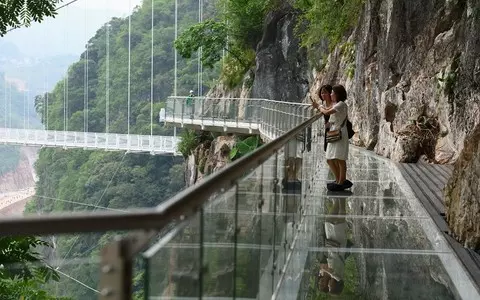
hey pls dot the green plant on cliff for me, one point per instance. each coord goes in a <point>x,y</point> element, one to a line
<point>188,142</point>
<point>326,20</point>
<point>348,52</point>
<point>447,78</point>
<point>233,72</point>
<point>236,30</point>
<point>245,146</point>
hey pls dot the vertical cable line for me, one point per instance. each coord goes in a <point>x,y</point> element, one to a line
<point>107,79</point>
<point>151,86</point>
<point>66,75</point>
<point>46,97</point>
<point>85,77</point>
<point>24,110</point>
<point>9,95</point>
<point>10,104</point>
<point>5,97</point>
<point>199,52</point>
<point>28,99</point>
<point>175,51</point>
<point>44,109</point>
<point>66,80</point>
<point>175,64</point>
<point>129,62</point>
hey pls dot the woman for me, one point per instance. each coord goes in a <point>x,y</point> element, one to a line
<point>337,152</point>
<point>324,95</point>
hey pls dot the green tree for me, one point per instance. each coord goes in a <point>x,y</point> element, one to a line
<point>16,13</point>
<point>237,29</point>
<point>23,270</point>
<point>327,20</point>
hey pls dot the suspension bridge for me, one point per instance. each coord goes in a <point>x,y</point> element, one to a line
<point>234,115</point>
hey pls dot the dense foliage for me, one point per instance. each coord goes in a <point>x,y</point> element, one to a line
<point>14,13</point>
<point>326,20</point>
<point>236,29</point>
<point>23,270</point>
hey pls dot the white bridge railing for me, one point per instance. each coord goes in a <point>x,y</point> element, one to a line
<point>268,117</point>
<point>90,140</point>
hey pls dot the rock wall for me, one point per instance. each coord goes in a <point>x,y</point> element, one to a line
<point>281,66</point>
<point>18,185</point>
<point>416,75</point>
<point>462,194</point>
<point>208,157</point>
<point>23,177</point>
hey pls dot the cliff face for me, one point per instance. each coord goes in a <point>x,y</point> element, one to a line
<point>462,194</point>
<point>412,73</point>
<point>207,158</point>
<point>413,67</point>
<point>23,177</point>
<point>417,77</point>
<point>281,65</point>
<point>18,185</point>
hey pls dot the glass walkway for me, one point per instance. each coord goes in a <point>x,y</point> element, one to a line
<point>265,227</point>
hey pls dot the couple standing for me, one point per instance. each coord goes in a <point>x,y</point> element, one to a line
<point>335,112</point>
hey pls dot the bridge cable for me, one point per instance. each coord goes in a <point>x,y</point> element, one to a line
<point>5,98</point>
<point>28,97</point>
<point>96,204</point>
<point>151,81</point>
<point>85,78</point>
<point>80,203</point>
<point>200,53</point>
<point>10,103</point>
<point>129,63</point>
<point>24,110</point>
<point>175,59</point>
<point>46,86</point>
<point>65,80</point>
<point>78,281</point>
<point>107,78</point>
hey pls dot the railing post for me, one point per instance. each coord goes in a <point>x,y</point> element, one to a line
<point>225,113</point>
<point>116,272</point>
<point>182,110</point>
<point>174,109</point>
<point>203,111</point>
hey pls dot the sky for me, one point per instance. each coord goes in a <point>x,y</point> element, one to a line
<point>67,33</point>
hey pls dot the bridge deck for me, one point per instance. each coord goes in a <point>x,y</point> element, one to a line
<point>427,182</point>
<point>215,125</point>
<point>90,140</point>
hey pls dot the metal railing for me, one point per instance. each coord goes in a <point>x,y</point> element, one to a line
<point>90,140</point>
<point>268,117</point>
<point>221,189</point>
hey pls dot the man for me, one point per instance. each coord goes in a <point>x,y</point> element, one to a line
<point>189,104</point>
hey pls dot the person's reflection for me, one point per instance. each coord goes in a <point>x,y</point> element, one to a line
<point>333,269</point>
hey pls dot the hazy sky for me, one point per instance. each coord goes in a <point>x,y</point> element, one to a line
<point>68,31</point>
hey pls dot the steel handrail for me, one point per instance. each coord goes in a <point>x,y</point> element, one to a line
<point>181,206</point>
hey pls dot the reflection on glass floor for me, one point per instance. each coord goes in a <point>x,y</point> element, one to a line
<point>279,234</point>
